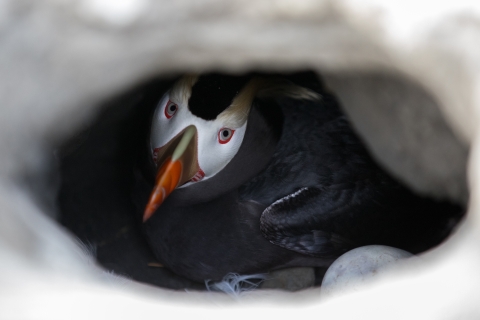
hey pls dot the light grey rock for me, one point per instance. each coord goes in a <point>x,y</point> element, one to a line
<point>354,269</point>
<point>61,59</point>
<point>398,119</point>
<point>292,279</point>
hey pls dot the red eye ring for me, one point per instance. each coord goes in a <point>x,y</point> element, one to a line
<point>224,135</point>
<point>170,109</point>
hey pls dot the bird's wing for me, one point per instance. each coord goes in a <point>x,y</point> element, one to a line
<point>323,223</point>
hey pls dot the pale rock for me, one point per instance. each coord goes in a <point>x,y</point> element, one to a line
<point>291,279</point>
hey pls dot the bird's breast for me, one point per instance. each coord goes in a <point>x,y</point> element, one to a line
<point>208,240</point>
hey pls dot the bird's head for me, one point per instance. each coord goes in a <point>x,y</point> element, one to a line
<point>199,125</point>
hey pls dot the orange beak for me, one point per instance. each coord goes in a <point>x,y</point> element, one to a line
<point>178,159</point>
<point>166,181</point>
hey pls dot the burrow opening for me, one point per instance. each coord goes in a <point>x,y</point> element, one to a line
<point>94,197</point>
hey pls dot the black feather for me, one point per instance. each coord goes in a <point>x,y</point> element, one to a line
<point>213,93</point>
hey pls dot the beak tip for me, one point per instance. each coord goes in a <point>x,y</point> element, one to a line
<point>167,180</point>
<point>148,213</point>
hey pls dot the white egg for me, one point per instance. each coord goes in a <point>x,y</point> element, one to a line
<point>354,269</point>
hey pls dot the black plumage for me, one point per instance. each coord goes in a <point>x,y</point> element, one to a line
<point>213,93</point>
<point>301,190</point>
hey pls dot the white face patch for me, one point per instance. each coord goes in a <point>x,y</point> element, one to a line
<point>215,147</point>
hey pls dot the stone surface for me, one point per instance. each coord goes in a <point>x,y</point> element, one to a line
<point>417,154</point>
<point>292,279</point>
<point>360,266</point>
<point>67,56</point>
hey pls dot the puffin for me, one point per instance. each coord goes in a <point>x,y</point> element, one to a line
<point>251,173</point>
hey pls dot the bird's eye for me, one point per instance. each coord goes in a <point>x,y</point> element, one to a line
<point>170,109</point>
<point>224,135</point>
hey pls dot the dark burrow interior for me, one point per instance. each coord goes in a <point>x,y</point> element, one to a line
<point>94,199</point>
